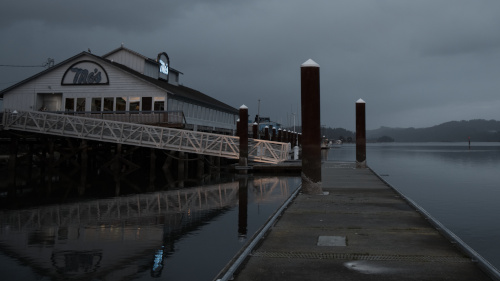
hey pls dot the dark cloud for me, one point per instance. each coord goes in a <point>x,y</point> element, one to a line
<point>415,63</point>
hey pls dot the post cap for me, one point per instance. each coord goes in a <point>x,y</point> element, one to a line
<point>243,107</point>
<point>310,63</point>
<point>360,101</point>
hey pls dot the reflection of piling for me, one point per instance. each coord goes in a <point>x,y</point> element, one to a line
<point>360,134</point>
<point>311,139</point>
<point>243,207</point>
<point>243,134</point>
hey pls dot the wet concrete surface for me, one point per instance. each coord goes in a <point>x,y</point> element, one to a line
<point>385,238</point>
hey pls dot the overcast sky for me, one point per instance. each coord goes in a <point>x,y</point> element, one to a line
<point>415,63</point>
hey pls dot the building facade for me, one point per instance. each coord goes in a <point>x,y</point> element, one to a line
<point>121,82</point>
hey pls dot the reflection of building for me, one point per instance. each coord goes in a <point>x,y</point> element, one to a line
<point>123,237</point>
<point>120,82</point>
<point>110,238</point>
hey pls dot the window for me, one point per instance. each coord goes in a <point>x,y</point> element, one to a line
<point>80,104</point>
<point>96,104</point>
<point>134,104</point>
<point>121,104</point>
<point>147,102</point>
<point>159,104</point>
<point>108,104</point>
<point>70,104</point>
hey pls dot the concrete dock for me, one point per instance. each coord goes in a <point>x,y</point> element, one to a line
<point>361,230</point>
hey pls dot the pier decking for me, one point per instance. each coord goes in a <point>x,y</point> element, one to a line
<point>361,230</point>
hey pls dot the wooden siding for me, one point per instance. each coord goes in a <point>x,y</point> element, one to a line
<point>128,59</point>
<point>121,84</point>
<point>151,69</point>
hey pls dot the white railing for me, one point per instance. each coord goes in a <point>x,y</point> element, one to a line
<point>143,135</point>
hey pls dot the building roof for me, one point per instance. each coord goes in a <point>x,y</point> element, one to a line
<point>22,82</point>
<point>122,48</point>
<point>178,92</point>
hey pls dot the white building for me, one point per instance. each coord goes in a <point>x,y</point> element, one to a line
<point>120,83</point>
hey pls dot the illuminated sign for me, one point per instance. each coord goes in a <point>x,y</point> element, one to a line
<point>164,63</point>
<point>164,67</point>
<point>85,73</point>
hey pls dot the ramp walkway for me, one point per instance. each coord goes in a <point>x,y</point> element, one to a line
<point>143,135</point>
<point>361,230</point>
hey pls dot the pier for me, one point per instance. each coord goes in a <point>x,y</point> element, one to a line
<point>359,229</point>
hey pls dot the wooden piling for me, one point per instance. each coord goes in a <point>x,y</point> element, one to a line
<point>14,145</point>
<point>83,167</point>
<point>311,142</point>
<point>360,134</point>
<point>243,134</point>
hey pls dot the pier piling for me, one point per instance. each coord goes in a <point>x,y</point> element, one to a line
<point>243,134</point>
<point>360,134</point>
<point>311,142</point>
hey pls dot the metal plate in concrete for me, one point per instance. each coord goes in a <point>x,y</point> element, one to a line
<point>331,241</point>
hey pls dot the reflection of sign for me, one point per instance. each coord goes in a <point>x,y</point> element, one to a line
<point>85,73</point>
<point>164,62</point>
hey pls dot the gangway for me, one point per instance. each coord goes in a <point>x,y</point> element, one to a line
<point>143,135</point>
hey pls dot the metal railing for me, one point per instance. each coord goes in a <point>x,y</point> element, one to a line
<point>143,135</point>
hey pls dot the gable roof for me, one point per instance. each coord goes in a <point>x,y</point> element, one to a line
<point>121,48</point>
<point>22,82</point>
<point>179,92</point>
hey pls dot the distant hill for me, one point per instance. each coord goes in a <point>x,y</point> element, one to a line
<point>332,133</point>
<point>477,130</point>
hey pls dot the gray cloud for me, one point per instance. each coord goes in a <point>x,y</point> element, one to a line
<point>415,63</point>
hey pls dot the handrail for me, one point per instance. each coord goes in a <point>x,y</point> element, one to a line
<point>142,135</point>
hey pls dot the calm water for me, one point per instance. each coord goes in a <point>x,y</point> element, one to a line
<point>185,234</point>
<point>457,186</point>
<point>191,233</point>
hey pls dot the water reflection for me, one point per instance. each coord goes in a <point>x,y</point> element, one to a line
<point>141,236</point>
<point>243,207</point>
<point>448,153</point>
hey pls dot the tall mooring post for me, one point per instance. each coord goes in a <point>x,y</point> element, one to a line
<point>243,134</point>
<point>311,131</point>
<point>360,134</point>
